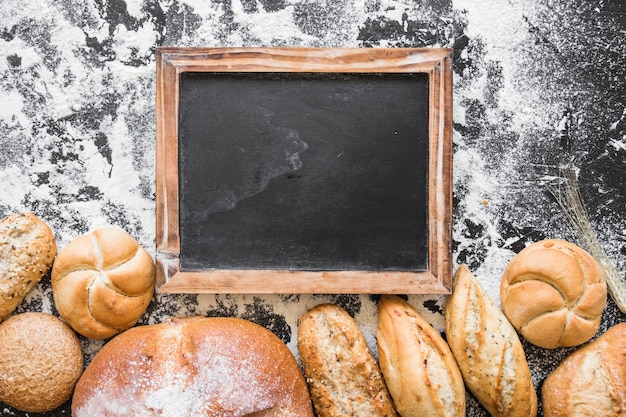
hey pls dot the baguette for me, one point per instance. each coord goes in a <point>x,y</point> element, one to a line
<point>591,381</point>
<point>421,373</point>
<point>488,350</point>
<point>341,372</point>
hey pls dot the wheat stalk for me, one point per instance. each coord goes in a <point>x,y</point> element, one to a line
<point>567,194</point>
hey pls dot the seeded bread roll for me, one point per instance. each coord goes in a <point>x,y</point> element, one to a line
<point>591,381</point>
<point>488,351</point>
<point>27,250</point>
<point>195,366</point>
<point>343,376</point>
<point>102,282</point>
<point>567,289</point>
<point>40,362</point>
<point>421,373</point>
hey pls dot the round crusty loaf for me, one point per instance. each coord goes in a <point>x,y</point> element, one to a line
<point>343,376</point>
<point>27,250</point>
<point>421,373</point>
<point>40,362</point>
<point>554,292</point>
<point>196,366</point>
<point>102,282</point>
<point>591,381</point>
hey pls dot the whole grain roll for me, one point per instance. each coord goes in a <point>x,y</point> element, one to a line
<point>102,282</point>
<point>554,292</point>
<point>419,369</point>
<point>487,349</point>
<point>27,251</point>
<point>591,381</point>
<point>196,366</point>
<point>40,362</point>
<point>343,376</point>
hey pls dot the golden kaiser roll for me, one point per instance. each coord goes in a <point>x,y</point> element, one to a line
<point>102,282</point>
<point>554,292</point>
<point>40,362</point>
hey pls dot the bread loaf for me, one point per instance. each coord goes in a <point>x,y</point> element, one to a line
<point>196,366</point>
<point>27,250</point>
<point>102,282</point>
<point>488,351</point>
<point>343,376</point>
<point>591,381</point>
<point>419,369</point>
<point>567,289</point>
<point>40,362</point>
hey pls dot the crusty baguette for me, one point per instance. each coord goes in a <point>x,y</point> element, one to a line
<point>488,350</point>
<point>27,251</point>
<point>342,374</point>
<point>591,381</point>
<point>421,373</point>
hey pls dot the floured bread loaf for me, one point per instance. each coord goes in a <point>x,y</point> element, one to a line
<point>27,250</point>
<point>421,373</point>
<point>41,360</point>
<point>197,366</point>
<point>591,381</point>
<point>343,376</point>
<point>102,282</point>
<point>554,292</point>
<point>488,351</point>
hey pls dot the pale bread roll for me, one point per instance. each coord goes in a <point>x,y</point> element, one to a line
<point>591,381</point>
<point>342,374</point>
<point>41,360</point>
<point>421,373</point>
<point>488,351</point>
<point>27,251</point>
<point>567,289</point>
<point>102,282</point>
<point>195,366</point>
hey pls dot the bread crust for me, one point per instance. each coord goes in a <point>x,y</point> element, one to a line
<point>102,282</point>
<point>343,376</point>
<point>195,366</point>
<point>591,381</point>
<point>488,350</point>
<point>568,292</point>
<point>27,251</point>
<point>41,360</point>
<point>421,373</point>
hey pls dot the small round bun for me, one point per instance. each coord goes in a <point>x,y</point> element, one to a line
<point>40,362</point>
<point>554,292</point>
<point>195,366</point>
<point>102,282</point>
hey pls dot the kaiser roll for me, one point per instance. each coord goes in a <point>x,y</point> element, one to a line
<point>102,282</point>
<point>40,362</point>
<point>195,366</point>
<point>554,292</point>
<point>27,250</point>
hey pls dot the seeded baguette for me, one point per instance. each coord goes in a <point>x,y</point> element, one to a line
<point>488,350</point>
<point>421,373</point>
<point>342,374</point>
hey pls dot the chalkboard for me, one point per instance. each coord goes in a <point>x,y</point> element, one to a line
<point>278,175</point>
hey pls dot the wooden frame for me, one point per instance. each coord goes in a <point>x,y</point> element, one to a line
<point>436,63</point>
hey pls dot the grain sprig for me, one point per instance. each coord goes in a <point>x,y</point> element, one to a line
<point>567,194</point>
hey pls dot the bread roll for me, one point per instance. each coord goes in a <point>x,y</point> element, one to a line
<point>488,351</point>
<point>27,250</point>
<point>102,282</point>
<point>591,381</point>
<point>421,373</point>
<point>343,376</point>
<point>567,289</point>
<point>196,366</point>
<point>40,362</point>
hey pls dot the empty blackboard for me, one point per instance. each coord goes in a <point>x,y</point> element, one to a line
<point>302,170</point>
